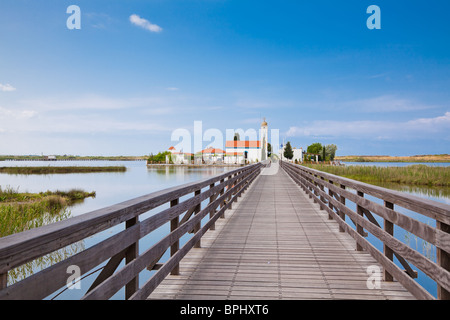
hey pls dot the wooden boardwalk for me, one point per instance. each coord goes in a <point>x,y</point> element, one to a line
<point>276,244</point>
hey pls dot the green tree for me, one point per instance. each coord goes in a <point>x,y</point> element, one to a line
<point>331,151</point>
<point>314,148</point>
<point>269,150</point>
<point>160,157</point>
<point>288,152</point>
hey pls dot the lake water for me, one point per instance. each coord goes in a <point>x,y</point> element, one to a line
<point>138,180</point>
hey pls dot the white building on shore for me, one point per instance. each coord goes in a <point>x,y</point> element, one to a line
<point>242,151</point>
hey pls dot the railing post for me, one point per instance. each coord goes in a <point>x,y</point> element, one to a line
<point>443,260</point>
<point>3,280</point>
<point>341,212</point>
<point>359,229</point>
<point>211,214</point>
<point>330,193</point>
<point>131,254</point>
<point>174,223</point>
<point>322,199</point>
<point>230,194</point>
<point>198,225</point>
<point>388,252</point>
<point>220,195</point>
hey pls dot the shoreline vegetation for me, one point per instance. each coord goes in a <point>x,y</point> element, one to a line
<point>70,158</point>
<point>24,211</point>
<point>412,159</point>
<point>60,170</point>
<point>418,175</point>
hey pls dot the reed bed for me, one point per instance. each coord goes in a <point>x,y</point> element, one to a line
<point>60,170</point>
<point>24,211</point>
<point>410,175</point>
<point>416,158</point>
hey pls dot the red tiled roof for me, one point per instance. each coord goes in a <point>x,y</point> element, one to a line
<point>172,148</point>
<point>243,144</point>
<point>213,150</point>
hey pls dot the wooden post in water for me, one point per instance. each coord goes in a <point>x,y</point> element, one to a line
<point>389,228</point>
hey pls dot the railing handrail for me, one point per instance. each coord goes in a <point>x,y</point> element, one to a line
<point>314,183</point>
<point>432,209</point>
<point>23,247</point>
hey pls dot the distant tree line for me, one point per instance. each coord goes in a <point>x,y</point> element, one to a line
<point>160,157</point>
<point>324,152</point>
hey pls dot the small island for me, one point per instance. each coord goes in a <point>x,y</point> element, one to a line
<point>60,170</point>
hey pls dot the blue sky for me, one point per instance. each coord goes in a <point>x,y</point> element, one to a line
<point>120,86</point>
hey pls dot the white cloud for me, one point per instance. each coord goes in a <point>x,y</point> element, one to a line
<point>16,114</point>
<point>7,87</point>
<point>100,102</point>
<point>387,103</point>
<point>368,129</point>
<point>145,24</point>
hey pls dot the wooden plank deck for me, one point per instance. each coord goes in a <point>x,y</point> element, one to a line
<point>276,244</point>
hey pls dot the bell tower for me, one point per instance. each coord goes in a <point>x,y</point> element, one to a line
<point>263,133</point>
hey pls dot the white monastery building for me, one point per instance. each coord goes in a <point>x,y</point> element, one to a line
<point>237,151</point>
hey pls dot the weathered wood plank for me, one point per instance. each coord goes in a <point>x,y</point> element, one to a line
<point>275,244</point>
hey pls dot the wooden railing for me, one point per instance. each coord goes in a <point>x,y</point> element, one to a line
<point>185,216</point>
<point>333,193</point>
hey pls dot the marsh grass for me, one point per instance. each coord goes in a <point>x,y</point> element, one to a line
<point>410,175</point>
<point>416,158</point>
<point>24,211</point>
<point>60,170</point>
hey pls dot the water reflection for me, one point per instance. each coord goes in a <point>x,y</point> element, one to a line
<point>441,194</point>
<point>30,268</point>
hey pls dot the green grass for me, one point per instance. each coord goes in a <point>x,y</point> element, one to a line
<point>24,211</point>
<point>60,170</point>
<point>410,175</point>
